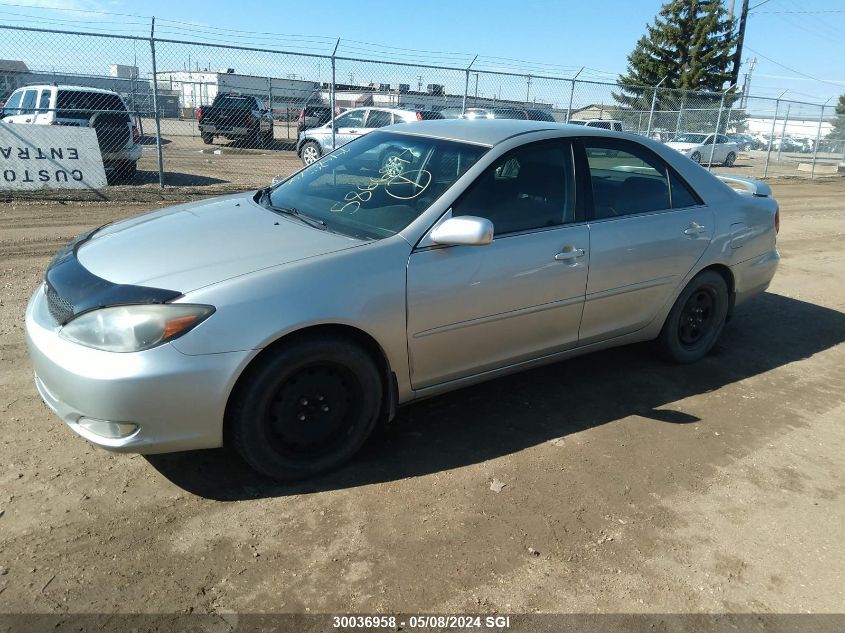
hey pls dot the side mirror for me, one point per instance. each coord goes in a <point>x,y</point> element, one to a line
<point>466,230</point>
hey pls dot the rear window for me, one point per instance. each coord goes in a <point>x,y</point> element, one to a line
<point>602,125</point>
<point>234,103</point>
<point>539,115</point>
<point>76,104</point>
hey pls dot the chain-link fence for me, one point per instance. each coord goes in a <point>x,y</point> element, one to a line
<point>186,114</point>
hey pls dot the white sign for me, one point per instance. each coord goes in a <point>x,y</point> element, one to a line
<point>49,157</point>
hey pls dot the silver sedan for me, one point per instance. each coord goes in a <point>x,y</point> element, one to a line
<point>290,321</point>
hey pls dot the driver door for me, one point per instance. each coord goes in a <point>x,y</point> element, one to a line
<point>473,309</point>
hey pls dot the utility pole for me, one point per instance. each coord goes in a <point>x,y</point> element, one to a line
<point>746,83</point>
<point>419,83</point>
<point>740,38</point>
<point>528,89</point>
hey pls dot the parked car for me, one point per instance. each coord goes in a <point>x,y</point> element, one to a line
<point>344,292</point>
<point>314,116</point>
<point>602,124</point>
<point>352,124</point>
<point>522,114</point>
<point>787,144</point>
<point>700,147</point>
<point>236,117</point>
<point>744,142</point>
<point>58,104</point>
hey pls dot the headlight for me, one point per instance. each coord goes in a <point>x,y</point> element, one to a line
<point>133,328</point>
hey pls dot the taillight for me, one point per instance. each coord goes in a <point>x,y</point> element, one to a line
<point>777,221</point>
<point>250,120</point>
<point>198,114</point>
<point>302,117</point>
<point>419,116</point>
<point>136,136</point>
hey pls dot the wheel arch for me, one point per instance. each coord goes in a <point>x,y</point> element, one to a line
<point>728,276</point>
<point>390,390</point>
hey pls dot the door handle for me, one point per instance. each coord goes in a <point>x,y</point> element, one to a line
<point>569,253</point>
<point>694,229</point>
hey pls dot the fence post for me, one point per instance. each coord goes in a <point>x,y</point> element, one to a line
<point>155,105</point>
<point>572,94</point>
<point>653,103</point>
<point>783,130</point>
<point>818,138</point>
<point>466,85</point>
<point>332,91</point>
<point>772,133</point>
<point>680,115</point>
<point>716,132</point>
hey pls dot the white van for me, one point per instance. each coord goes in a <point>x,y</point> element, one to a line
<point>103,110</point>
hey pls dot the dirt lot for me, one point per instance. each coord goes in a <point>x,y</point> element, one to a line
<point>638,486</point>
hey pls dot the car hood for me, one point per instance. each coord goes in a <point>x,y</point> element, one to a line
<point>193,245</point>
<point>681,147</point>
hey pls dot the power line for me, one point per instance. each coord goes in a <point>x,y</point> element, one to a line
<point>792,70</point>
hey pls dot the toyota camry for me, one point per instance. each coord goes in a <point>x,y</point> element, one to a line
<point>289,322</point>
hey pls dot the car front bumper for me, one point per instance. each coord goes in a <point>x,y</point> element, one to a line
<point>177,401</point>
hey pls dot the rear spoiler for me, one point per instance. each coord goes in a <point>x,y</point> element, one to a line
<point>747,186</point>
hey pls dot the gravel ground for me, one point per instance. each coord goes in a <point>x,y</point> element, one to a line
<point>624,484</point>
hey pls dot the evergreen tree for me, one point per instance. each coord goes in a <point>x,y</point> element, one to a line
<point>689,46</point>
<point>838,131</point>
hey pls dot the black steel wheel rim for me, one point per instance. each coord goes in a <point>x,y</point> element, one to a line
<point>315,410</point>
<point>697,316</point>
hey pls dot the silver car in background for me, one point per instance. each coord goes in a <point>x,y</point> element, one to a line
<point>355,123</point>
<point>706,148</point>
<point>289,322</point>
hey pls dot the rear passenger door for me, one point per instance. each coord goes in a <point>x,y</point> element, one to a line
<point>648,229</point>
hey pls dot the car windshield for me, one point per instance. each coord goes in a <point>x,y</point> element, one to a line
<point>375,186</point>
<point>689,138</point>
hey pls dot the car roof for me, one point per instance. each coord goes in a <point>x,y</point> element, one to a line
<point>491,132</point>
<point>68,87</point>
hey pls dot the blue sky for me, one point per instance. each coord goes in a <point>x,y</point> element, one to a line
<point>799,44</point>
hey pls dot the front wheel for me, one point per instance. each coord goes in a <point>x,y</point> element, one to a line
<point>730,159</point>
<point>310,153</point>
<point>696,320</point>
<point>696,156</point>
<point>306,409</point>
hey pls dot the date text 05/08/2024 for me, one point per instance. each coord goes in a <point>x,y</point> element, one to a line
<point>421,621</point>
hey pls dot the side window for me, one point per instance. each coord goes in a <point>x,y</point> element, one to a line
<point>722,139</point>
<point>682,194</point>
<point>378,118</point>
<point>353,118</point>
<point>28,102</point>
<point>528,188</point>
<point>44,101</point>
<point>626,178</point>
<point>708,140</point>
<point>12,104</point>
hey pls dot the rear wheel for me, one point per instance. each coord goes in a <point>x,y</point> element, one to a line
<point>696,320</point>
<point>310,153</point>
<point>207,138</point>
<point>306,409</point>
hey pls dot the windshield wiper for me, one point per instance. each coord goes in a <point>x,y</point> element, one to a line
<point>299,215</point>
<point>264,200</point>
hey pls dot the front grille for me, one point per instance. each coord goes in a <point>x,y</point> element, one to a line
<point>60,309</point>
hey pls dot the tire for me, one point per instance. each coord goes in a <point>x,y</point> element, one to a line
<point>306,409</point>
<point>696,157</point>
<point>730,159</point>
<point>208,139</point>
<point>696,320</point>
<point>310,152</point>
<point>268,139</point>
